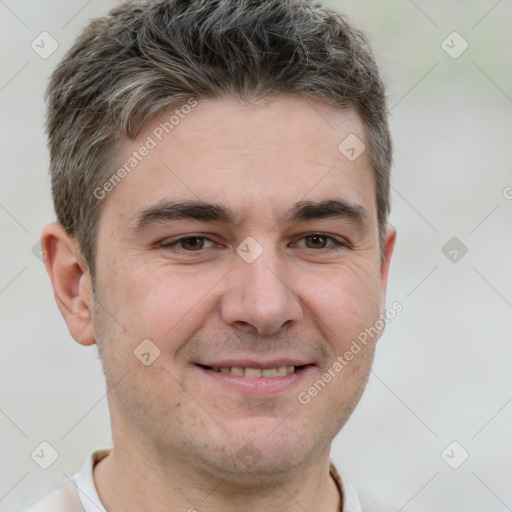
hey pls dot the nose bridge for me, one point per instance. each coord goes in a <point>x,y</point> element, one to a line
<point>260,293</point>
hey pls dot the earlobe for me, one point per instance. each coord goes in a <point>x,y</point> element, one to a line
<point>71,281</point>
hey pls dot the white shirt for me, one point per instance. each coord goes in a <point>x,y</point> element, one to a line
<point>79,493</point>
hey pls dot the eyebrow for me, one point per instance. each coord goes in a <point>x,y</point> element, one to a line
<point>210,212</point>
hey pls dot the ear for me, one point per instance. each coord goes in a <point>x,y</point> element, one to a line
<point>388,252</point>
<point>71,281</point>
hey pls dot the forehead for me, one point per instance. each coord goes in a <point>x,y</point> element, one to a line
<point>267,156</point>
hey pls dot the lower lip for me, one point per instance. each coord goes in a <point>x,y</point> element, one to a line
<point>259,385</point>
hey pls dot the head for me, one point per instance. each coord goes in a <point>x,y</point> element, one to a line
<point>241,113</point>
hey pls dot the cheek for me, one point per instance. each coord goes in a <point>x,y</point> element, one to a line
<point>345,298</point>
<point>165,305</point>
<point>152,299</point>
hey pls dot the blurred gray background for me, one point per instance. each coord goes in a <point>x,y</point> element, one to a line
<point>443,369</point>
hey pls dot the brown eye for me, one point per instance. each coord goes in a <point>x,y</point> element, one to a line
<point>186,244</point>
<point>317,241</point>
<point>322,241</point>
<point>193,243</point>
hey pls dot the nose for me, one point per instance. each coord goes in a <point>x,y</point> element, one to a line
<point>260,296</point>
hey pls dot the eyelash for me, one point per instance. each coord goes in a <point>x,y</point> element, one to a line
<point>337,245</point>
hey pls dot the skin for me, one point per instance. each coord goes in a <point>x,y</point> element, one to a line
<point>176,432</point>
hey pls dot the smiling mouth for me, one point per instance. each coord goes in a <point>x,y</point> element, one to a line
<point>256,373</point>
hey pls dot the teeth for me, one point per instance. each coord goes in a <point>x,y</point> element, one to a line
<point>255,373</point>
<point>236,370</point>
<point>281,371</point>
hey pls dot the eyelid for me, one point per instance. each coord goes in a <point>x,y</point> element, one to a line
<point>173,242</point>
<point>336,242</point>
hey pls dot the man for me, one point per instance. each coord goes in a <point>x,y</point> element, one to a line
<point>220,174</point>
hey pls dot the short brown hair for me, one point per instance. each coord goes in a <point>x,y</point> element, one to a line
<point>147,56</point>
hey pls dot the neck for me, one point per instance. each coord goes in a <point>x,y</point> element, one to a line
<point>133,478</point>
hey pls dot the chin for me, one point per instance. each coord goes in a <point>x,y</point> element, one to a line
<point>265,453</point>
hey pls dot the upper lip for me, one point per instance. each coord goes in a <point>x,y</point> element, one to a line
<point>251,363</point>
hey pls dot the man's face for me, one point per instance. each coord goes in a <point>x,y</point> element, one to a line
<point>259,290</point>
